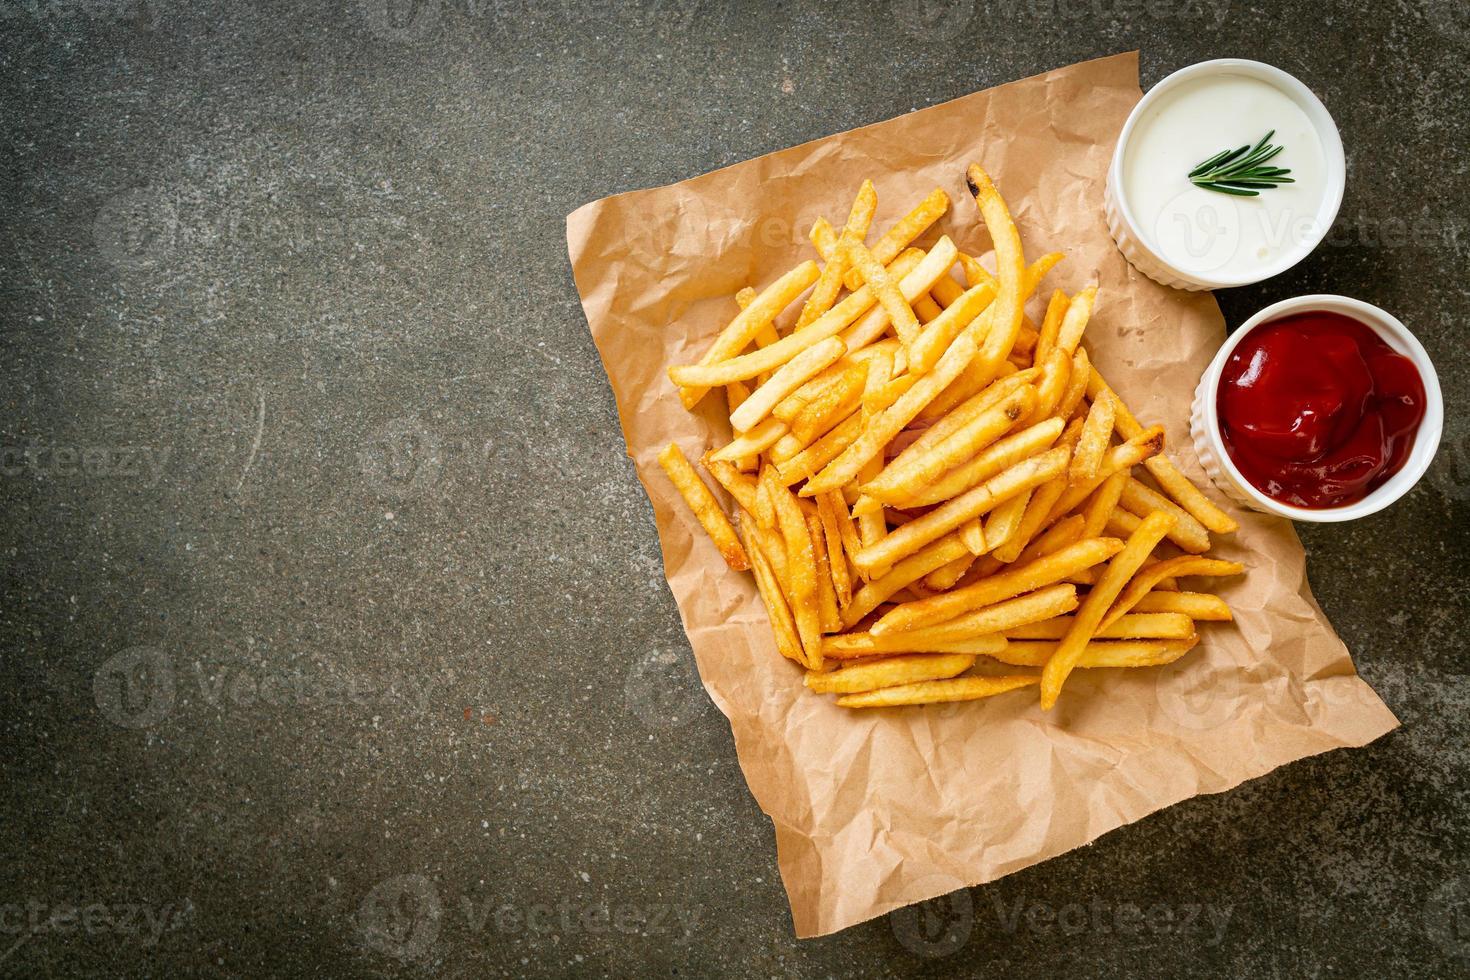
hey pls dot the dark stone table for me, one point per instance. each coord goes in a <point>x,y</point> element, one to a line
<point>335,637</point>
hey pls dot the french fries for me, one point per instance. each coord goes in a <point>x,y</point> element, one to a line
<point>925,478</point>
<point>870,675</point>
<point>704,505</point>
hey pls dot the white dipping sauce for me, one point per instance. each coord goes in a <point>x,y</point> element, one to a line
<point>1204,232</point>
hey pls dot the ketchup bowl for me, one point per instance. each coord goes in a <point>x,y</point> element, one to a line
<point>1319,408</point>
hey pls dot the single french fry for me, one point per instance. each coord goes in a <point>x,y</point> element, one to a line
<point>880,372</point>
<point>926,308</point>
<point>735,394</point>
<point>1099,653</point>
<point>1188,533</point>
<point>943,579</point>
<point>832,517</point>
<point>939,333</point>
<point>1134,626</point>
<point>1005,520</point>
<point>900,313</point>
<point>933,692</point>
<point>1122,523</point>
<point>765,337</point>
<point>1146,579</point>
<point>786,380</point>
<point>872,528</point>
<point>736,483</point>
<point>1079,310</point>
<point>830,283</point>
<point>1051,325</point>
<point>1076,385</point>
<point>752,442</point>
<point>872,675</point>
<point>1176,484</point>
<point>1037,270</point>
<point>1007,310</point>
<point>1055,374</point>
<point>1103,502</point>
<point>748,322</point>
<point>903,574</point>
<point>826,590</point>
<point>779,612</point>
<point>975,273</point>
<point>1092,445</point>
<point>704,505</point>
<point>938,522</point>
<point>1000,618</point>
<point>848,531</point>
<point>1120,569</point>
<point>945,291</point>
<point>784,448</point>
<point>853,646</point>
<point>772,539</point>
<point>972,534</point>
<point>1062,534</point>
<point>765,507</point>
<point>1047,570</point>
<point>834,404</point>
<point>1001,456</point>
<point>1199,606</point>
<point>801,570</point>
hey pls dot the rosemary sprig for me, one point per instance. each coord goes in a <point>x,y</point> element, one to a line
<point>1242,171</point>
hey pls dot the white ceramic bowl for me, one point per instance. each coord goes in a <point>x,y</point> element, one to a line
<point>1133,242</point>
<point>1204,424</point>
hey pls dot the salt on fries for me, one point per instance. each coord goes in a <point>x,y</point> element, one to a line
<point>925,480</point>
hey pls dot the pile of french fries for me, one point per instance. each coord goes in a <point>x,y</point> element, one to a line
<point>923,477</point>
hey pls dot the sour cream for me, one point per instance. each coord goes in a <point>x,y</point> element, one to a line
<point>1203,238</point>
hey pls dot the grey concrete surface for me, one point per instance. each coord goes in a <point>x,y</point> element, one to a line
<point>335,639</point>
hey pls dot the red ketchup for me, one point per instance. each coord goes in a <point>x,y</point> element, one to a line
<point>1317,411</point>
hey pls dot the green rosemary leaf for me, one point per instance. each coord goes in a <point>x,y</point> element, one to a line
<point>1242,171</point>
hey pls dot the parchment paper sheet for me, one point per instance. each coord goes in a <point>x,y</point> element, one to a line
<point>878,809</point>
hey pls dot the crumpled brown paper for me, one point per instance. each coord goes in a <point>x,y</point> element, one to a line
<point>878,809</point>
